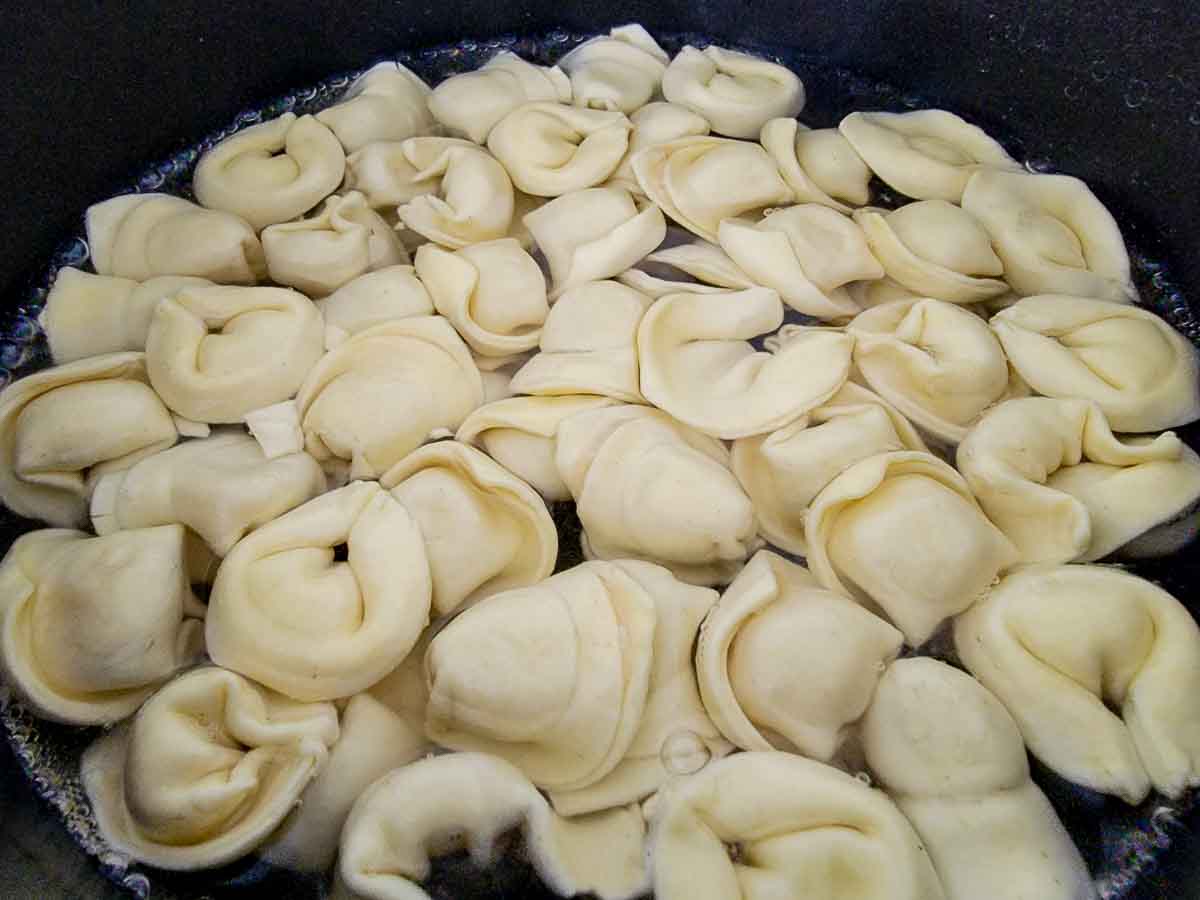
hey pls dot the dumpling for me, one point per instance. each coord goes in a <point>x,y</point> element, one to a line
<point>734,91</point>
<point>64,427</point>
<point>936,362</point>
<point>381,172</point>
<point>696,363</point>
<point>271,172</point>
<point>647,487</point>
<point>618,71</point>
<point>287,612</point>
<point>759,825</point>
<point>1101,671</point>
<point>714,270</point>
<point>344,240</point>
<point>472,103</point>
<point>927,154</point>
<point>143,236</point>
<point>588,345</point>
<point>88,315</point>
<point>900,532</point>
<point>935,249</point>
<point>388,102</point>
<point>806,253</point>
<point>1052,234</point>
<point>700,181</point>
<point>220,487</point>
<point>869,294</point>
<point>593,234</point>
<point>521,433</point>
<point>209,767</point>
<point>216,353</point>
<point>493,293</point>
<point>950,755</point>
<point>91,626</point>
<point>470,801</point>
<point>1140,371</point>
<point>474,197</point>
<point>384,391</point>
<point>497,373</point>
<point>394,292</point>
<point>484,529</point>
<point>653,124</point>
<point>783,471</point>
<point>550,149</point>
<point>784,664</point>
<point>819,165</point>
<point>1054,478</point>
<point>552,677</point>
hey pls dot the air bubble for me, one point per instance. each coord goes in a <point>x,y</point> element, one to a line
<point>863,778</point>
<point>138,884</point>
<point>684,753</point>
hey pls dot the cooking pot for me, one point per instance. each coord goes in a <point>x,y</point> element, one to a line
<point>1108,91</point>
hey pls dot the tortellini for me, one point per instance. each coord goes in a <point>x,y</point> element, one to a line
<point>1110,656</point>
<point>784,664</point>
<point>1052,234</point>
<point>783,471</point>
<point>216,353</point>
<point>384,391</point>
<point>1054,478</point>
<point>927,154</point>
<point>819,165</point>
<point>937,363</point>
<point>484,530</point>
<point>341,242</point>
<point>381,172</point>
<point>143,236</point>
<point>796,828</point>
<point>271,172</point>
<point>220,487</point>
<point>935,249</point>
<point>736,92</point>
<point>618,71</point>
<point>715,271</point>
<point>1140,371</point>
<point>700,181</point>
<point>286,612</point>
<point>208,768</point>
<point>901,532</point>
<point>650,488</point>
<point>90,626</point>
<point>394,292</point>
<point>696,363</point>
<point>951,757</point>
<point>64,427</point>
<point>493,293</point>
<point>806,253</point>
<point>470,800</point>
<point>388,102</point>
<point>655,123</point>
<point>550,149</point>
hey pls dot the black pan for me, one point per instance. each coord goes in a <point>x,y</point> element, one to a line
<point>93,94</point>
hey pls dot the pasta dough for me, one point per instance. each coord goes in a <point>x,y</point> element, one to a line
<point>618,71</point>
<point>388,102</point>
<point>394,292</point>
<point>715,271</point>
<point>381,172</point>
<point>819,165</point>
<point>653,124</point>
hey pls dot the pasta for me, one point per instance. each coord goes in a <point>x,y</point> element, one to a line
<point>388,102</point>
<point>619,71</point>
<point>381,172</point>
<point>653,124</point>
<point>819,165</point>
<point>393,292</point>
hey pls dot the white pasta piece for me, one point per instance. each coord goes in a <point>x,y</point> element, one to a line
<point>900,532</point>
<point>700,181</point>
<point>927,154</point>
<point>497,373</point>
<point>797,828</point>
<point>287,613</point>
<point>64,427</point>
<point>271,172</point>
<point>388,102</point>
<point>950,755</point>
<point>216,353</point>
<point>143,236</point>
<point>471,800</point>
<point>783,471</point>
<point>393,292</point>
<point>697,365</point>
<point>1101,671</point>
<point>381,393</point>
<point>1054,478</point>
<point>869,294</point>
<point>935,249</point>
<point>737,93</point>
<point>382,173</point>
<point>276,429</point>
<point>784,664</point>
<point>620,71</point>
<point>713,270</point>
<point>653,124</point>
<point>806,253</point>
<point>91,626</point>
<point>819,166</point>
<point>1140,371</point>
<point>206,771</point>
<point>472,103</point>
<point>1053,235</point>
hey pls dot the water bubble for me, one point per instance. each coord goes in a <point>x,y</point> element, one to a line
<point>684,753</point>
<point>1137,93</point>
<point>138,884</point>
<point>1099,70</point>
<point>1072,91</point>
<point>864,778</point>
